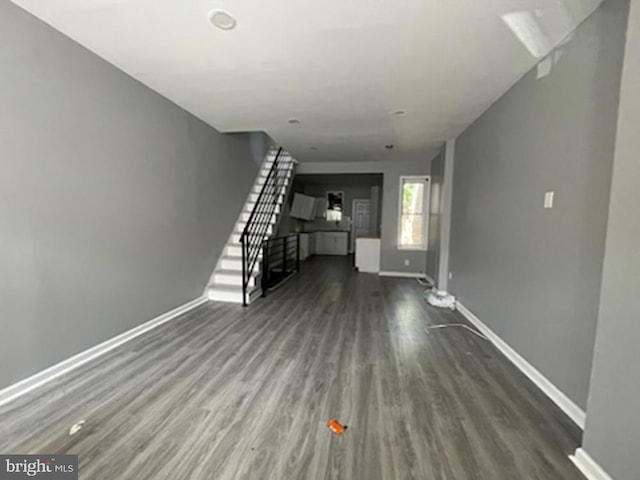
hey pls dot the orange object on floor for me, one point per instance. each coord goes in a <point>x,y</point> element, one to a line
<point>336,427</point>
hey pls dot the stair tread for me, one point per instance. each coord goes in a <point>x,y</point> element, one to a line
<point>267,224</point>
<point>226,271</point>
<point>221,287</point>
<point>239,232</point>
<point>235,258</point>
<point>265,172</point>
<point>226,288</point>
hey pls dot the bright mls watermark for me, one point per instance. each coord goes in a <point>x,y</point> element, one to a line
<point>49,467</point>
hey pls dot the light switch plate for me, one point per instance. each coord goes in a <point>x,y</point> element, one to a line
<point>548,199</point>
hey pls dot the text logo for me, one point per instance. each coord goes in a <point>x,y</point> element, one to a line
<point>37,467</point>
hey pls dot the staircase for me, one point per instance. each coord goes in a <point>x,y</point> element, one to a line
<point>237,275</point>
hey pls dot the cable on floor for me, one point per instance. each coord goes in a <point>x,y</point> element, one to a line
<point>459,325</point>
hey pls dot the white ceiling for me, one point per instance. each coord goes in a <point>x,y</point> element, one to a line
<point>339,66</point>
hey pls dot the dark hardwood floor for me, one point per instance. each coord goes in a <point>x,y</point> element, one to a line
<point>226,392</point>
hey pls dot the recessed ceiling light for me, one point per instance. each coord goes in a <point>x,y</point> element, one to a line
<point>294,121</point>
<point>400,113</point>
<point>222,20</point>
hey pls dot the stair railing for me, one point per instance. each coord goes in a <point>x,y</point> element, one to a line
<point>256,229</point>
<point>280,260</point>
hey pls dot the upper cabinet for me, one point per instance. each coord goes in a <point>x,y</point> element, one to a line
<point>303,207</point>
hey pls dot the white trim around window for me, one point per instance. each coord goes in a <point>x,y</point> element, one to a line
<point>425,210</point>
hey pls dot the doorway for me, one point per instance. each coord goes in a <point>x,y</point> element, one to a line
<point>361,220</point>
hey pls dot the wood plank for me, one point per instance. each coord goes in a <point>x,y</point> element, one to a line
<point>227,392</point>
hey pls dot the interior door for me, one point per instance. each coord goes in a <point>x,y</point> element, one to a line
<point>361,220</point>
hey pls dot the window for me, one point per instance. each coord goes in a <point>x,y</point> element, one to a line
<point>413,214</point>
<point>334,216</point>
<point>335,202</point>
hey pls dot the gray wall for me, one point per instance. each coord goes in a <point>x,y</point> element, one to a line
<point>260,143</point>
<point>531,274</point>
<point>440,216</point>
<point>351,192</point>
<point>376,208</point>
<point>435,217</point>
<point>114,202</point>
<point>612,436</point>
<point>354,187</point>
<point>445,216</point>
<point>391,259</point>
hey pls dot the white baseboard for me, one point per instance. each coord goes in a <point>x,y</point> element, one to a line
<point>554,393</point>
<point>31,383</point>
<point>588,466</point>
<point>401,274</point>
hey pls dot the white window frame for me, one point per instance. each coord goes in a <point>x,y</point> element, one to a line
<point>425,211</point>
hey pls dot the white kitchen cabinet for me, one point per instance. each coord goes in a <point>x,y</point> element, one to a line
<point>332,243</point>
<point>303,207</point>
<point>307,245</point>
<point>323,246</point>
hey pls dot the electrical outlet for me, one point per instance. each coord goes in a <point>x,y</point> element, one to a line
<point>406,262</point>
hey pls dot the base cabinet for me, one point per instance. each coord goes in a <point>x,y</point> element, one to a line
<point>331,243</point>
<point>307,245</point>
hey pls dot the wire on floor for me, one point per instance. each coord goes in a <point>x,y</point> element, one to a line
<point>459,325</point>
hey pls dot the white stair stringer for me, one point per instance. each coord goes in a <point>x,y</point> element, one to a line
<point>225,284</point>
